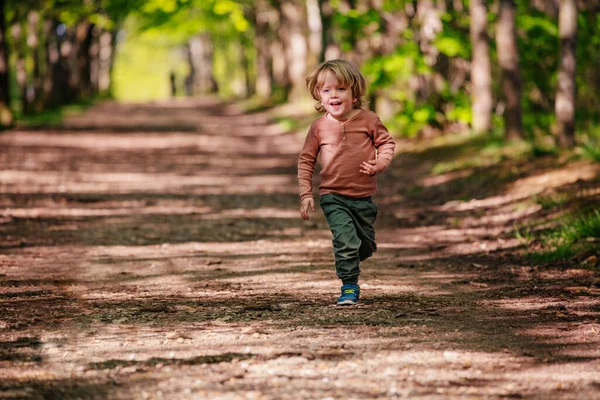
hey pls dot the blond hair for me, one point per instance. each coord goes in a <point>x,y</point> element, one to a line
<point>346,73</point>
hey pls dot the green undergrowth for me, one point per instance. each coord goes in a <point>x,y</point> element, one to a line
<point>567,229</point>
<point>468,150</point>
<point>54,117</point>
<point>589,144</point>
<point>571,235</point>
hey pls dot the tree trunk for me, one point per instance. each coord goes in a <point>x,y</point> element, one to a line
<point>57,90</point>
<point>281,76</point>
<point>247,67</point>
<point>85,35</point>
<point>329,50</point>
<point>315,31</point>
<point>201,51</point>
<point>51,57</point>
<point>565,93</point>
<point>20,70</point>
<point>95,61</point>
<point>481,70</point>
<point>69,49</point>
<point>107,44</point>
<point>295,45</point>
<point>391,25</point>
<point>508,56</point>
<point>33,33</point>
<point>264,58</point>
<point>6,118</point>
<point>430,25</point>
<point>77,53</point>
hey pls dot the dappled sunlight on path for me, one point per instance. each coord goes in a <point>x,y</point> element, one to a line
<point>156,251</point>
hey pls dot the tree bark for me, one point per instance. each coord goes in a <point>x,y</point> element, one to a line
<point>19,44</point>
<point>295,45</point>
<point>391,25</point>
<point>107,43</point>
<point>33,34</point>
<point>6,117</point>
<point>50,57</point>
<point>264,58</point>
<point>508,56</point>
<point>481,70</point>
<point>315,31</point>
<point>201,52</point>
<point>69,48</point>
<point>247,67</point>
<point>95,60</point>
<point>566,89</point>
<point>329,49</point>
<point>85,35</point>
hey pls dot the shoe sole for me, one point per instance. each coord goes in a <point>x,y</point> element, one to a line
<point>346,303</point>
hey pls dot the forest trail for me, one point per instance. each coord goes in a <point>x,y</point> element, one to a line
<point>156,251</point>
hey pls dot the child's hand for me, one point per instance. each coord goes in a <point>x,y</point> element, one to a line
<point>368,167</point>
<point>307,203</point>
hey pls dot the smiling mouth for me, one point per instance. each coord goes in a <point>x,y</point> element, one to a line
<point>336,103</point>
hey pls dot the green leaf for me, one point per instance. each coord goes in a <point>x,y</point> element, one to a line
<point>452,47</point>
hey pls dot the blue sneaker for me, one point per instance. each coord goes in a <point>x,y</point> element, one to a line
<point>350,295</point>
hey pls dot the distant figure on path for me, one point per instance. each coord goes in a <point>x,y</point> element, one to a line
<point>353,147</point>
<point>172,78</point>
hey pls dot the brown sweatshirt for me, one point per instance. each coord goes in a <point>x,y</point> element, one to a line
<point>342,147</point>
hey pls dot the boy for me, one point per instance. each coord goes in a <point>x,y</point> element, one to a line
<point>354,146</point>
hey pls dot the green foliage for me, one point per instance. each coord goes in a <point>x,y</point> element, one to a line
<point>182,19</point>
<point>353,25</point>
<point>231,80</point>
<point>478,151</point>
<point>569,237</point>
<point>538,23</point>
<point>552,200</point>
<point>589,140</point>
<point>524,234</point>
<point>538,54</point>
<point>588,58</point>
<point>156,33</point>
<point>393,73</point>
<point>460,110</point>
<point>118,10</point>
<point>591,151</point>
<point>55,116</point>
<point>454,40</point>
<point>396,68</point>
<point>451,46</point>
<point>142,68</point>
<point>169,24</point>
<point>413,118</point>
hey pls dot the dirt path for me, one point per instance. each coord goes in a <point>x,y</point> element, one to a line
<point>156,252</point>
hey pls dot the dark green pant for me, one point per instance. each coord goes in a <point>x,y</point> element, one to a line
<point>351,223</point>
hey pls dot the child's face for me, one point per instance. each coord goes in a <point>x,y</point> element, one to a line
<point>336,98</point>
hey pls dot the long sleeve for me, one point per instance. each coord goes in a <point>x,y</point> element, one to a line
<point>306,164</point>
<point>385,145</point>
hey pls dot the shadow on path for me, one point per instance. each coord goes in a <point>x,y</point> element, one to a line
<point>160,254</point>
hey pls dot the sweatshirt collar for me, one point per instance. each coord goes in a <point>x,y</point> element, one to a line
<point>334,121</point>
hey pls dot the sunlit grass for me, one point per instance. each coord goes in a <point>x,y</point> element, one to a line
<point>552,200</point>
<point>589,147</point>
<point>480,150</point>
<point>575,234</point>
<point>256,103</point>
